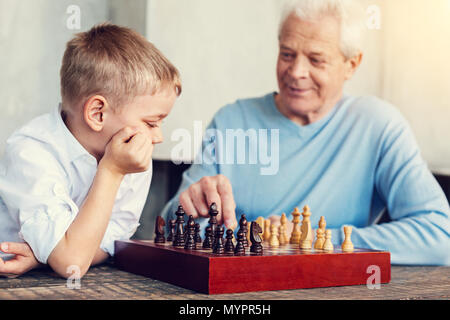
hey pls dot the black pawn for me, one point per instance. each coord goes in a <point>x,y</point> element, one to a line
<point>213,212</point>
<point>243,226</point>
<point>190,240</point>
<point>207,244</point>
<point>172,225</point>
<point>178,240</point>
<point>240,248</point>
<point>197,237</point>
<point>219,248</point>
<point>159,230</point>
<point>229,245</point>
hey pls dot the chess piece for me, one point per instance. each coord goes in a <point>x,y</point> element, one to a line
<point>296,233</point>
<point>273,241</point>
<point>320,239</point>
<point>307,235</point>
<point>247,234</point>
<point>239,250</point>
<point>197,236</point>
<point>255,238</point>
<point>322,224</point>
<point>229,245</point>
<point>172,225</point>
<point>178,240</point>
<point>347,245</point>
<point>243,227</point>
<point>283,237</point>
<point>213,212</point>
<point>328,245</point>
<point>266,230</point>
<point>159,230</point>
<point>207,244</point>
<point>260,222</point>
<point>219,248</point>
<point>190,238</point>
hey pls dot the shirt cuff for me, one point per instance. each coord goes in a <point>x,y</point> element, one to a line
<point>45,229</point>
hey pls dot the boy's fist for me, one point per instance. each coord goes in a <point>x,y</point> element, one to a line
<point>129,151</point>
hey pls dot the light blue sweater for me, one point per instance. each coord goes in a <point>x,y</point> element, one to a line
<point>348,167</point>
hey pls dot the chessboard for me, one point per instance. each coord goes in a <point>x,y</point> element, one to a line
<point>281,268</point>
<point>213,266</point>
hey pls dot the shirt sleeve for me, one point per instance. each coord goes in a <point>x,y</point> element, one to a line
<point>35,190</point>
<point>127,210</point>
<point>420,230</point>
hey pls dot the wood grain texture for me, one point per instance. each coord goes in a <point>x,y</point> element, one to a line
<point>277,269</point>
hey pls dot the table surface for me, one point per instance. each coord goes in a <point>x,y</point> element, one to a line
<point>107,282</point>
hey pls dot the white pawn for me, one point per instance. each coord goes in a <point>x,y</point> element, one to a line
<point>347,245</point>
<point>328,245</point>
<point>273,241</point>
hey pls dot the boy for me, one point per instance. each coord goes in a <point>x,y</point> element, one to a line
<point>75,180</point>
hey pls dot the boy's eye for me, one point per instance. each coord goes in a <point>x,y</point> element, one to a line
<point>152,124</point>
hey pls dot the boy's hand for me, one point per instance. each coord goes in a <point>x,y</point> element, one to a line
<point>23,262</point>
<point>129,151</point>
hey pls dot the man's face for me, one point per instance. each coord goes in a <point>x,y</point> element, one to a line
<point>145,113</point>
<point>311,68</point>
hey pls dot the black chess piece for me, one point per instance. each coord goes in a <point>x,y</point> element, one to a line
<point>172,225</point>
<point>197,237</point>
<point>190,240</point>
<point>159,230</point>
<point>213,212</point>
<point>240,248</point>
<point>178,240</point>
<point>219,248</point>
<point>207,244</point>
<point>243,226</point>
<point>229,245</point>
<point>255,239</point>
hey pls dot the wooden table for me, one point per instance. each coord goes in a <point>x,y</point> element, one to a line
<point>107,282</point>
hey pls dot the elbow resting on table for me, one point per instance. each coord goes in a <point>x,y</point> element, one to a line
<point>68,266</point>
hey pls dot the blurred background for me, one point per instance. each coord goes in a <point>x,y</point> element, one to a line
<point>226,50</point>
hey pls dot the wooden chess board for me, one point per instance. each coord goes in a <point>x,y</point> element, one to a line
<point>285,267</point>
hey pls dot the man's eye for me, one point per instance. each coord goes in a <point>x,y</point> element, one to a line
<point>316,61</point>
<point>286,55</point>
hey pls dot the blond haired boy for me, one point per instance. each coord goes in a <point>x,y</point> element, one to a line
<point>75,180</point>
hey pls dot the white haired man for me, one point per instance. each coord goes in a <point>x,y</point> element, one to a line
<point>348,158</point>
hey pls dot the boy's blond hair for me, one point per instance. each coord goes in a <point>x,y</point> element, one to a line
<point>115,62</point>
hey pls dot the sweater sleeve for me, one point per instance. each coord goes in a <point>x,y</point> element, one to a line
<point>205,164</point>
<point>419,232</point>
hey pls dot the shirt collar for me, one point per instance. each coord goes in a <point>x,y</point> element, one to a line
<point>74,149</point>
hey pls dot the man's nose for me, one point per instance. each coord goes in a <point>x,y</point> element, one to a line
<point>299,68</point>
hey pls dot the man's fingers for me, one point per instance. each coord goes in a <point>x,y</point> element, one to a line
<point>13,266</point>
<point>198,199</point>
<point>228,204</point>
<point>186,203</point>
<point>16,248</point>
<point>209,187</point>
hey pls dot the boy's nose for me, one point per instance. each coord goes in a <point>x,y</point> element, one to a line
<point>157,136</point>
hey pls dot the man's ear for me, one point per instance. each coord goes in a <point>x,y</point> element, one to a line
<point>352,64</point>
<point>94,112</point>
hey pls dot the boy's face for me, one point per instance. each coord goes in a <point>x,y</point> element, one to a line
<point>145,113</point>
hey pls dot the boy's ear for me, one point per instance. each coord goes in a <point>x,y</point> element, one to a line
<point>94,112</point>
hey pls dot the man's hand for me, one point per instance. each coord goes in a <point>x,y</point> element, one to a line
<point>23,261</point>
<point>129,151</point>
<point>200,195</point>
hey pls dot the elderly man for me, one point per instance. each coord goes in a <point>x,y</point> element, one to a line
<point>348,158</point>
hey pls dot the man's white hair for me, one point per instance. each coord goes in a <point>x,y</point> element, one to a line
<point>349,13</point>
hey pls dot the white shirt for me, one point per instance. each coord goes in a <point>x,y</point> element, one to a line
<point>45,175</point>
